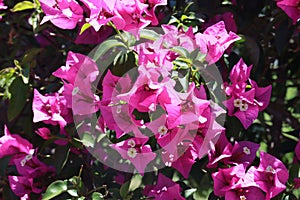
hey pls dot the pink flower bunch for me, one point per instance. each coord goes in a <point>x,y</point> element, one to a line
<point>165,188</point>
<point>246,98</point>
<point>128,15</point>
<point>182,122</point>
<point>263,182</point>
<point>291,8</point>
<point>30,169</point>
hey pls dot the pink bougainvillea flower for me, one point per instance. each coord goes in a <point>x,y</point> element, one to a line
<point>185,159</point>
<point>243,152</point>
<point>78,66</point>
<point>228,19</point>
<point>291,8</point>
<point>64,14</point>
<point>45,133</point>
<point>239,75</point>
<point>270,176</point>
<point>164,189</point>
<point>152,4</point>
<point>102,12</point>
<point>133,11</point>
<point>90,36</point>
<point>209,136</point>
<point>30,166</point>
<point>227,179</point>
<point>135,150</point>
<point>79,74</point>
<point>262,95</point>
<point>11,144</point>
<point>247,99</point>
<point>22,186</point>
<point>149,90</point>
<point>214,41</point>
<point>50,109</point>
<point>192,108</point>
<point>243,108</point>
<point>222,150</point>
<point>245,193</point>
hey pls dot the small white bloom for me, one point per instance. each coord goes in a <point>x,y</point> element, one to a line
<point>75,91</point>
<point>237,103</point>
<point>131,143</point>
<point>270,169</point>
<point>246,150</point>
<point>162,130</point>
<point>132,152</point>
<point>119,109</point>
<point>168,164</point>
<point>244,107</point>
<point>243,197</point>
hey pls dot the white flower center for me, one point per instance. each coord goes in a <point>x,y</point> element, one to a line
<point>162,130</point>
<point>168,164</point>
<point>131,143</point>
<point>119,109</point>
<point>75,91</point>
<point>237,103</point>
<point>171,156</point>
<point>270,169</point>
<point>27,157</point>
<point>244,107</point>
<point>246,150</point>
<point>132,152</point>
<point>243,197</point>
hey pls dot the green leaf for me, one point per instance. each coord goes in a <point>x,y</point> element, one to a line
<point>149,34</point>
<point>19,94</point>
<point>7,76</point>
<point>84,27</point>
<point>24,5</point>
<point>189,192</point>
<point>180,50</point>
<point>107,45</point>
<point>135,182</point>
<point>97,196</point>
<point>88,140</point>
<point>54,189</point>
<point>124,189</point>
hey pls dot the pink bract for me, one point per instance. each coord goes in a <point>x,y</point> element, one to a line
<point>136,151</point>
<point>11,144</point>
<point>215,40</point>
<point>164,189</point>
<point>64,14</point>
<point>22,186</point>
<point>291,8</point>
<point>228,179</point>
<point>270,176</point>
<point>50,109</point>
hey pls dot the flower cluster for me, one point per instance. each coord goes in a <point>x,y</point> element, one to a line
<point>31,172</point>
<point>125,15</point>
<point>236,182</point>
<point>149,103</point>
<point>246,98</point>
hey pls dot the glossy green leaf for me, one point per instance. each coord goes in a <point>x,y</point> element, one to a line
<point>97,196</point>
<point>54,189</point>
<point>24,5</point>
<point>19,92</point>
<point>84,27</point>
